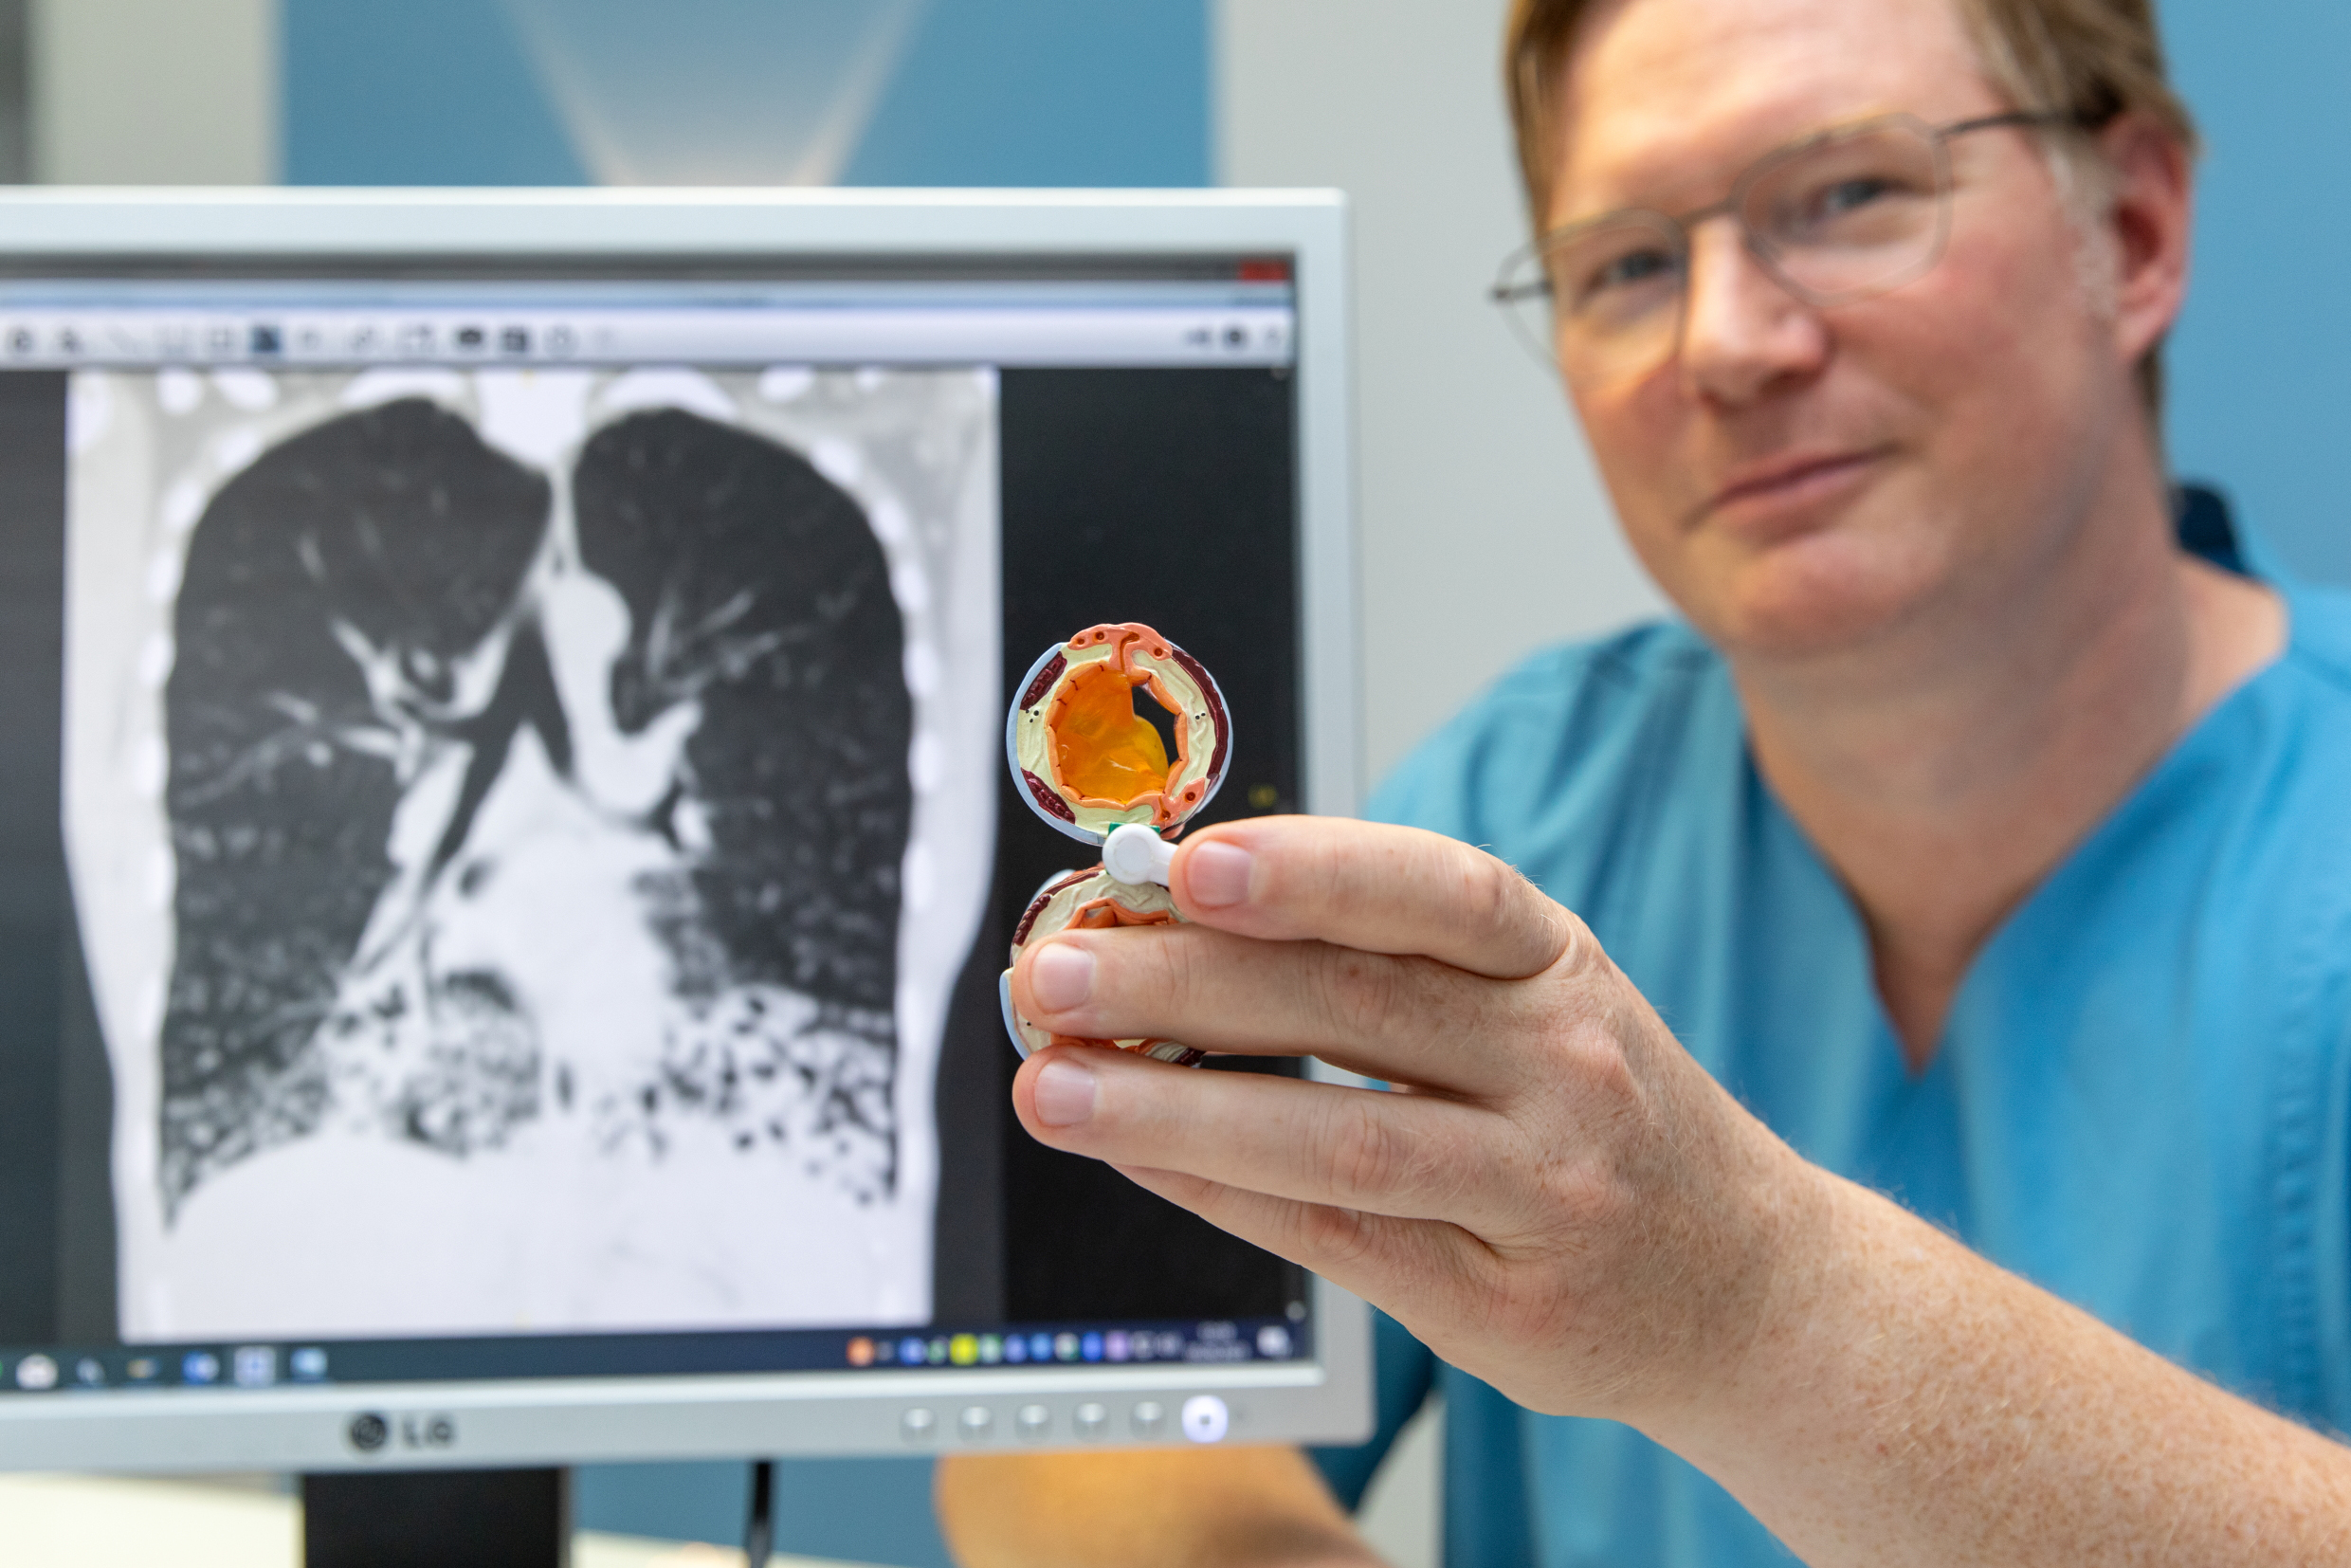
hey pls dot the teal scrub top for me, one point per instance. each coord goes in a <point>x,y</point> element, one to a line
<point>2142,1100</point>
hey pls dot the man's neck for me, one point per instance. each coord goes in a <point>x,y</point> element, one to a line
<point>1945,777</point>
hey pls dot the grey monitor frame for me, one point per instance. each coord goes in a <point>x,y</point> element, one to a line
<point>438,1425</point>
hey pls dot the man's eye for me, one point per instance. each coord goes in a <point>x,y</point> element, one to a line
<point>1850,195</point>
<point>1617,276</point>
<point>1849,208</point>
<point>1640,267</point>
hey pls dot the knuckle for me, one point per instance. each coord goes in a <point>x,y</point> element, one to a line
<point>1336,1237</point>
<point>1361,997</point>
<point>1395,1164</point>
<point>1519,916</point>
<point>1366,1153</point>
<point>1147,972</point>
<point>1172,968</point>
<point>1583,1199</point>
<point>1502,912</point>
<point>1490,894</point>
<point>1580,956</point>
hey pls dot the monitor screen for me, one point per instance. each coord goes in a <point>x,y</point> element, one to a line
<point>508,846</point>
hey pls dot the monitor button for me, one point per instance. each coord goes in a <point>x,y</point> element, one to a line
<point>1092,1420</point>
<point>917,1426</point>
<point>1034,1421</point>
<point>975,1422</point>
<point>1205,1418</point>
<point>1150,1418</point>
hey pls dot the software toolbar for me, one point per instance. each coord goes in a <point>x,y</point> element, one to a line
<point>67,339</point>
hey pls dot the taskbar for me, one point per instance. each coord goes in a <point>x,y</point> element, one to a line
<point>52,1369</point>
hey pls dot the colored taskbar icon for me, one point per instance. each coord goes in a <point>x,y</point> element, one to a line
<point>229,1366</point>
<point>1211,1342</point>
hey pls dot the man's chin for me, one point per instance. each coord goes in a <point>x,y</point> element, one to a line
<point>1781,610</point>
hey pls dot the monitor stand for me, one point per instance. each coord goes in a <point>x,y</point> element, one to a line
<point>437,1518</point>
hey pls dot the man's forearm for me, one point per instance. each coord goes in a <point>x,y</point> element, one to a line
<point>1149,1508</point>
<point>1909,1403</point>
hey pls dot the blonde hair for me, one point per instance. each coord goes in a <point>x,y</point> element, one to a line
<point>2091,61</point>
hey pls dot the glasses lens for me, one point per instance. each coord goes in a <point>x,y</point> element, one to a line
<point>1853,214</point>
<point>1602,301</point>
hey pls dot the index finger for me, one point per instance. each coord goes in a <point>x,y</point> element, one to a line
<point>1371,887</point>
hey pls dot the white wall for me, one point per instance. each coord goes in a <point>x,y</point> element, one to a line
<point>154,92</point>
<point>1485,535</point>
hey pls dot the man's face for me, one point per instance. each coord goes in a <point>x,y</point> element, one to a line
<point>1804,480</point>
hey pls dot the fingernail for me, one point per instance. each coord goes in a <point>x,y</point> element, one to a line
<point>1217,875</point>
<point>1061,977</point>
<point>1065,1093</point>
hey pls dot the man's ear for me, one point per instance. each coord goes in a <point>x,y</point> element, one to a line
<point>2150,224</point>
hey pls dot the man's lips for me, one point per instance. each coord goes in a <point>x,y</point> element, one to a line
<point>1756,490</point>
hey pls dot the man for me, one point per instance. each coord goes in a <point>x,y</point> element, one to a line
<point>1981,841</point>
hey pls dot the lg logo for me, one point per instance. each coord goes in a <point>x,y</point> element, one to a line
<point>369,1432</point>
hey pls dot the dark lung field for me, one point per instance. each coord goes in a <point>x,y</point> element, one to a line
<point>479,827</point>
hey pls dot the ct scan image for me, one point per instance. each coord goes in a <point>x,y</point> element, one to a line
<point>526,827</point>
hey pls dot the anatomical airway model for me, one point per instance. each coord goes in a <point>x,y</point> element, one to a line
<point>1095,768</point>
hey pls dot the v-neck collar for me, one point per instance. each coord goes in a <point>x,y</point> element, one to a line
<point>2208,530</point>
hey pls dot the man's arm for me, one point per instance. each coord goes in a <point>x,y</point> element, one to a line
<point>1146,1508</point>
<point>1911,1403</point>
<point>1564,1204</point>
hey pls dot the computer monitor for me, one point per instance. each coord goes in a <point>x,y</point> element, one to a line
<point>507,847</point>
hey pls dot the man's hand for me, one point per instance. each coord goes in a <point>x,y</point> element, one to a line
<point>1559,1200</point>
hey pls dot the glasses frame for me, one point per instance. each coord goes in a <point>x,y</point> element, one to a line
<point>1508,295</point>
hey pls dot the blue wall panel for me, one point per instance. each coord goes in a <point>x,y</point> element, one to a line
<point>986,92</point>
<point>2260,399</point>
<point>1046,92</point>
<point>425,92</point>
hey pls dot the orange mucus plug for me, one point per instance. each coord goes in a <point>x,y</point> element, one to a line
<point>1102,747</point>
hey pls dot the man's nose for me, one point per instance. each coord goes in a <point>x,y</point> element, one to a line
<point>1743,333</point>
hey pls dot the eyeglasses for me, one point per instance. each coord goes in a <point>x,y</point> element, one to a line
<point>1840,216</point>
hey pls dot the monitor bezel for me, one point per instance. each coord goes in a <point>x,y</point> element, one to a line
<point>457,1424</point>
